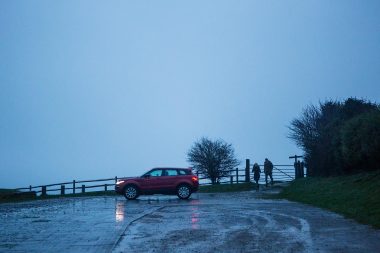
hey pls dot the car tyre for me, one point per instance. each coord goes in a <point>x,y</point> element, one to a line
<point>131,192</point>
<point>183,191</point>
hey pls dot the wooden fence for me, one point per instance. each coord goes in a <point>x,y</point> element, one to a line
<point>73,187</point>
<point>280,173</point>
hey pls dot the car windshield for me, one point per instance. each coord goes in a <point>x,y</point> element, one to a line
<point>153,173</point>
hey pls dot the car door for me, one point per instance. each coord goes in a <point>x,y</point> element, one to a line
<point>152,180</point>
<point>169,179</point>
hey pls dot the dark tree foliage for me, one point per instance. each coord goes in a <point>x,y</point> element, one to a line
<point>318,132</point>
<point>361,142</point>
<point>212,159</point>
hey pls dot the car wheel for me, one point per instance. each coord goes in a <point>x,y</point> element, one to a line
<point>183,191</point>
<point>131,192</point>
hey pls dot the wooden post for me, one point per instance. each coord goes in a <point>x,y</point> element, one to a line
<point>231,179</point>
<point>30,188</point>
<point>105,187</point>
<point>247,171</point>
<point>73,186</point>
<point>43,190</point>
<point>63,189</point>
<point>115,180</point>
<point>237,175</point>
<point>83,188</point>
<point>296,168</point>
<point>295,157</point>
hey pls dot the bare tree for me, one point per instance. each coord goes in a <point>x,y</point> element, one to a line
<point>304,130</point>
<point>212,159</point>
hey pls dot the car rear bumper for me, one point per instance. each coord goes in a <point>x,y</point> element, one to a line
<point>195,188</point>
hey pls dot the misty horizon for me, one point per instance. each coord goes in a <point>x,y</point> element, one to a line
<point>96,90</point>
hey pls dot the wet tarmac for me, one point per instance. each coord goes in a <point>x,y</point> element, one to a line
<point>228,222</point>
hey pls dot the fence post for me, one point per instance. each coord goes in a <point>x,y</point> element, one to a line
<point>73,186</point>
<point>247,171</point>
<point>231,179</point>
<point>63,189</point>
<point>83,188</point>
<point>43,190</point>
<point>30,188</point>
<point>105,187</point>
<point>115,180</point>
<point>237,175</point>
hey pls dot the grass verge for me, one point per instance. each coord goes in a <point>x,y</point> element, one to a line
<point>4,191</point>
<point>226,187</point>
<point>10,195</point>
<point>86,194</point>
<point>355,196</point>
<point>7,196</point>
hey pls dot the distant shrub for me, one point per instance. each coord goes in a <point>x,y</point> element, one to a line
<point>338,137</point>
<point>361,142</point>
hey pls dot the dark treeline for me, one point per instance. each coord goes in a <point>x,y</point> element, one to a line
<point>339,138</point>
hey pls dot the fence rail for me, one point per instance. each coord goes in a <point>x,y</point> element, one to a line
<point>72,186</point>
<point>281,172</point>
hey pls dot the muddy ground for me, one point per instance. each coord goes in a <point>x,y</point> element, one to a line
<point>223,222</point>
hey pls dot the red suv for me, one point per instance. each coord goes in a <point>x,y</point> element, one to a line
<point>159,180</point>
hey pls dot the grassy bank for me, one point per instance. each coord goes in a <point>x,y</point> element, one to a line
<point>10,195</point>
<point>3,191</point>
<point>86,194</point>
<point>356,196</point>
<point>226,187</point>
<point>7,196</point>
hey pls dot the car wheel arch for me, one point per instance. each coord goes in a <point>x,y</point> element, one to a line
<point>134,185</point>
<point>183,183</point>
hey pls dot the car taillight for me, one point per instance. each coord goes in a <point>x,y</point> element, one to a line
<point>195,179</point>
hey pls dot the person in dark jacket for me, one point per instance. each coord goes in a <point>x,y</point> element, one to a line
<point>268,169</point>
<point>256,174</point>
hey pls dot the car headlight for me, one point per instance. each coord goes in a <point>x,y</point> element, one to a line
<point>119,182</point>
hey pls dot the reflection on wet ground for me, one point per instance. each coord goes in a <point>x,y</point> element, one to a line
<point>72,224</point>
<point>195,217</point>
<point>241,222</point>
<point>69,224</point>
<point>231,222</point>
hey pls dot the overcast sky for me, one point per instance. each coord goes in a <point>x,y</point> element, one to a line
<point>93,89</point>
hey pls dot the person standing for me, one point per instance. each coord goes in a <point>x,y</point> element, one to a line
<point>296,169</point>
<point>302,169</point>
<point>268,169</point>
<point>256,174</point>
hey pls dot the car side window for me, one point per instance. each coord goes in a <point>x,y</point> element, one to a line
<point>184,172</point>
<point>155,173</point>
<point>181,172</point>
<point>171,173</point>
